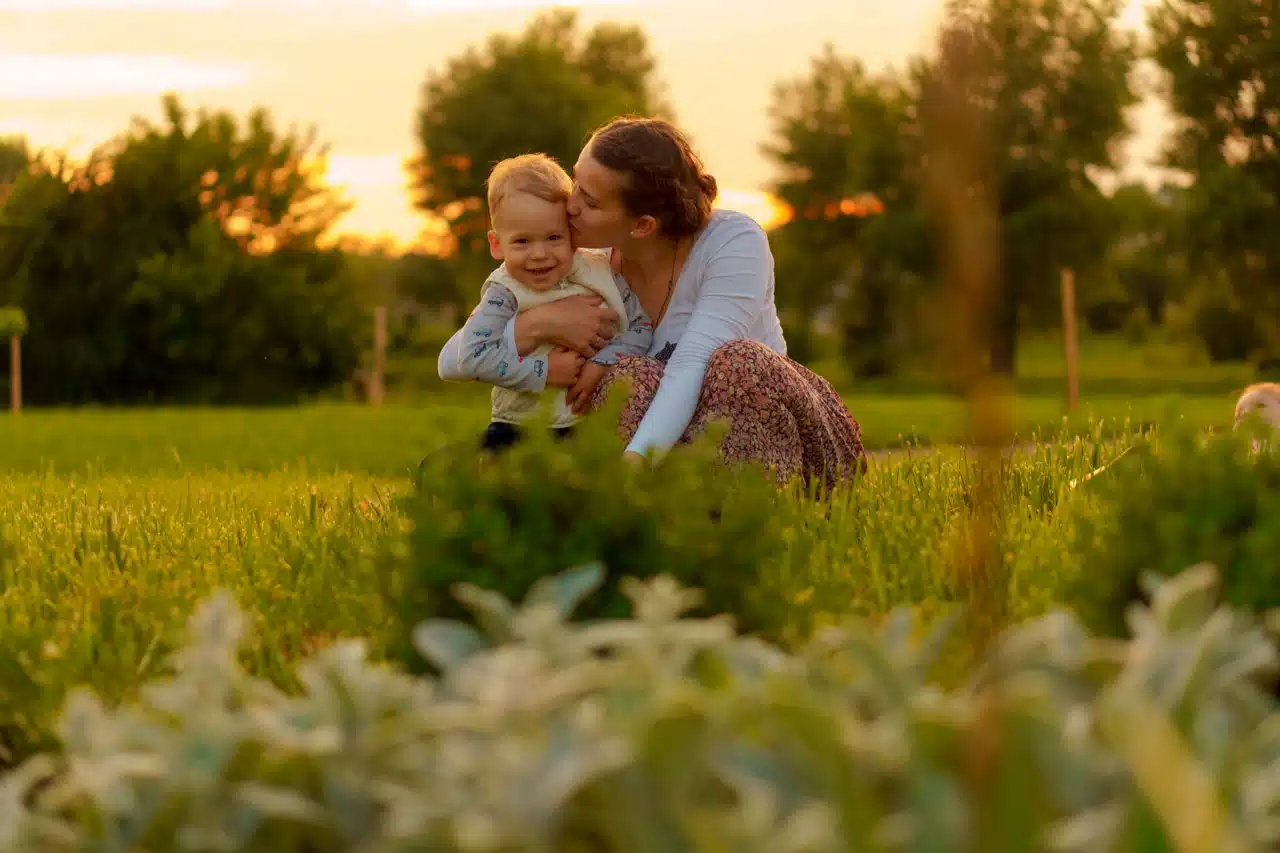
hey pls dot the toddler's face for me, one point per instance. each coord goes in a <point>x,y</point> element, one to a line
<point>532,237</point>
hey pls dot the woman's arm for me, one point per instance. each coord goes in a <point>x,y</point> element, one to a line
<point>731,295</point>
<point>583,324</point>
<point>638,337</point>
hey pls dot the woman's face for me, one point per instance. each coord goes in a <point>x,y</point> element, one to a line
<point>596,215</point>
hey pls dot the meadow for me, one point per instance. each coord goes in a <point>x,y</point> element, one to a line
<point>119,527</point>
<point>1120,383</point>
<point>100,567</point>
<point>115,523</point>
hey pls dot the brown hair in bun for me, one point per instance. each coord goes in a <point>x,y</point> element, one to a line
<point>662,176</point>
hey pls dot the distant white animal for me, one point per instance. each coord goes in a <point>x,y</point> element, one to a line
<point>1262,399</point>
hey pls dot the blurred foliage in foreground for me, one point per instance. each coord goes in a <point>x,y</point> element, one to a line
<point>666,733</point>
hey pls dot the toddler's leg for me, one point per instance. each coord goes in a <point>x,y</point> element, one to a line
<point>499,436</point>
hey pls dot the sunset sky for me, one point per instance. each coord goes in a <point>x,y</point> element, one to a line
<point>72,72</point>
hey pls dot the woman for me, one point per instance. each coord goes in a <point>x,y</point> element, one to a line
<point>705,278</point>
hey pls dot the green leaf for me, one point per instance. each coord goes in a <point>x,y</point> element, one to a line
<point>447,643</point>
<point>568,589</point>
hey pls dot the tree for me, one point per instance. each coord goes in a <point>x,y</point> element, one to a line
<point>544,91</point>
<point>1050,83</point>
<point>848,163</point>
<point>13,325</point>
<point>1221,59</point>
<point>181,262</point>
<point>15,157</point>
<point>1147,251</point>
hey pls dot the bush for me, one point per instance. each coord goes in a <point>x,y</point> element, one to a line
<point>1108,315</point>
<point>669,733</point>
<point>1137,328</point>
<point>412,359</point>
<point>1229,332</point>
<point>1190,499</point>
<point>504,523</point>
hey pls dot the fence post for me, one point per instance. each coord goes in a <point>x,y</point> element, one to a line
<point>15,374</point>
<point>1070,339</point>
<point>377,387</point>
<point>13,325</point>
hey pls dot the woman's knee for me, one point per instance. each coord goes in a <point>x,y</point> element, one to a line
<point>638,369</point>
<point>639,374</point>
<point>741,362</point>
<point>736,352</point>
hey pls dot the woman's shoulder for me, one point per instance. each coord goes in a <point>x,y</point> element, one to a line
<point>727,227</point>
<point>728,223</point>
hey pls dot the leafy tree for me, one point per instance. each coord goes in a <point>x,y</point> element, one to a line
<point>844,144</point>
<point>15,157</point>
<point>1148,247</point>
<point>543,90</point>
<point>1222,64</point>
<point>1050,83</point>
<point>181,262</point>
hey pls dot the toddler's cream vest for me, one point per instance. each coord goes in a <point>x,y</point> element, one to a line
<point>589,274</point>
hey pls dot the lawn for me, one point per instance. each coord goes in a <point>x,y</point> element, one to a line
<point>1119,382</point>
<point>106,546</point>
<point>114,523</point>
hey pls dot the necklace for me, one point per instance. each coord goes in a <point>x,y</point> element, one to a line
<point>671,287</point>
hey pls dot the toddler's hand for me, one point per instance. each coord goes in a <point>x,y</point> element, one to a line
<point>564,366</point>
<point>579,395</point>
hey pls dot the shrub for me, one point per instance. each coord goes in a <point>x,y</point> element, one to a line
<point>1109,314</point>
<point>1230,332</point>
<point>504,523</point>
<point>1190,499</point>
<point>669,733</point>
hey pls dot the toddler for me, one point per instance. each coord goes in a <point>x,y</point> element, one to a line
<point>530,235</point>
<point>1263,399</point>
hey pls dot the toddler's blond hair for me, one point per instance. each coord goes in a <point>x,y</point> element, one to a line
<point>536,174</point>
<point>1264,399</point>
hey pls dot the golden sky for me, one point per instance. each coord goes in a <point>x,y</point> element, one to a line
<point>72,72</point>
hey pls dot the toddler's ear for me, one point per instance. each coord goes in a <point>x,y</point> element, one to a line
<point>495,246</point>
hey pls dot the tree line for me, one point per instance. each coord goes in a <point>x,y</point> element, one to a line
<point>192,259</point>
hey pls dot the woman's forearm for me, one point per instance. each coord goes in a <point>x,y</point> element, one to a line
<point>525,332</point>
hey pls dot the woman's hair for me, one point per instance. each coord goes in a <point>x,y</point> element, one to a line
<point>662,177</point>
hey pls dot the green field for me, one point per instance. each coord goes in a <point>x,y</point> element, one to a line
<point>114,523</point>
<point>113,526</point>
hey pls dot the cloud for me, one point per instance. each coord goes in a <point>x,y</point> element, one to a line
<point>79,76</point>
<point>441,6</point>
<point>315,6</point>
<point>50,6</point>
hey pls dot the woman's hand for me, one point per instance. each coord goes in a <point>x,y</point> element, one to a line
<point>584,324</point>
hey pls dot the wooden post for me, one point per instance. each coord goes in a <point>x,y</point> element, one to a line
<point>377,388</point>
<point>15,374</point>
<point>1070,339</point>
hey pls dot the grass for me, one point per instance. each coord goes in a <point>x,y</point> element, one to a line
<point>1119,382</point>
<point>98,575</point>
<point>99,570</point>
<point>114,523</point>
<point>389,442</point>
